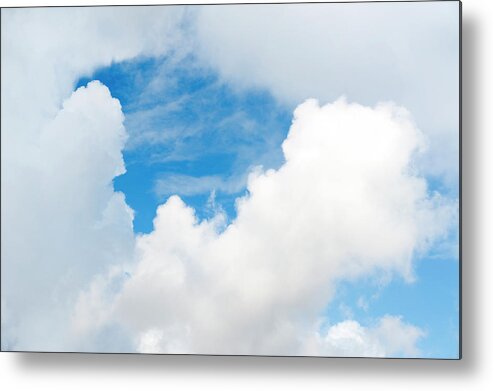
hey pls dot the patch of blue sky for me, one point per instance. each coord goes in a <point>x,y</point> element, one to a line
<point>431,302</point>
<point>183,121</point>
<point>439,185</point>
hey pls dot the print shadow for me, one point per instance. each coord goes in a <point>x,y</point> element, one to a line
<point>370,368</point>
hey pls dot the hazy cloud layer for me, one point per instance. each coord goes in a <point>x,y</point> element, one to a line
<point>404,52</point>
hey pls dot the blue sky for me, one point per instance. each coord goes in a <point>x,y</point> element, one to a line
<point>213,131</point>
<point>432,301</point>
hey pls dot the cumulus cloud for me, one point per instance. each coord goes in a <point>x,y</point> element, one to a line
<point>346,203</point>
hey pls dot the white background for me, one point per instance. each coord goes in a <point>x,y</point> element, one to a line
<point>474,371</point>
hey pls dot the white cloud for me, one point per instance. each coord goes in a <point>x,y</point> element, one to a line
<point>347,203</point>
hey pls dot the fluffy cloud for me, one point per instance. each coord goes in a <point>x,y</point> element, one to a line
<point>346,203</point>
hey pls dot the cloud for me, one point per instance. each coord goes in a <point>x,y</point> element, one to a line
<point>368,52</point>
<point>187,185</point>
<point>389,337</point>
<point>347,203</point>
<point>62,221</point>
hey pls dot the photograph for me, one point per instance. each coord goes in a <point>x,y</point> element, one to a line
<point>232,179</point>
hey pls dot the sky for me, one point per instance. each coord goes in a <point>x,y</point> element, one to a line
<point>262,179</point>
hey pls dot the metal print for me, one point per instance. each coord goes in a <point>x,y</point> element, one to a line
<point>263,179</point>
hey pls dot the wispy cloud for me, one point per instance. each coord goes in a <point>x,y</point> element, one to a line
<point>186,185</point>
